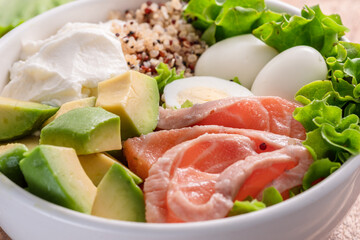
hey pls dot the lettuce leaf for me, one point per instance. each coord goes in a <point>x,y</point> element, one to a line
<point>344,72</point>
<point>187,104</point>
<point>318,146</point>
<point>8,28</point>
<point>347,140</point>
<point>271,196</point>
<point>316,113</point>
<point>329,131</point>
<point>334,133</point>
<point>223,19</point>
<point>242,207</point>
<point>166,76</point>
<point>316,90</point>
<point>202,13</point>
<point>312,28</point>
<point>318,170</point>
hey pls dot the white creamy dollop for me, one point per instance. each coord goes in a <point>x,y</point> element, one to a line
<point>67,66</point>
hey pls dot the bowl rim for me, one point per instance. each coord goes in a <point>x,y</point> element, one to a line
<point>88,221</point>
<point>299,202</point>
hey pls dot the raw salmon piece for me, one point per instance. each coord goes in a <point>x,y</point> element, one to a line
<point>184,186</point>
<point>290,179</point>
<point>142,152</point>
<point>253,175</point>
<point>177,161</point>
<point>272,114</point>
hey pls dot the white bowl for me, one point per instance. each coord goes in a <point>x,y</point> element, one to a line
<point>310,215</point>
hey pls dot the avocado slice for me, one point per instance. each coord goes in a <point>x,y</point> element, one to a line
<point>118,197</point>
<point>20,118</point>
<point>55,174</point>
<point>96,166</point>
<point>135,98</point>
<point>88,130</point>
<point>10,156</point>
<point>85,102</point>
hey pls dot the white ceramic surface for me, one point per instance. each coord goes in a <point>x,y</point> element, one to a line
<point>311,215</point>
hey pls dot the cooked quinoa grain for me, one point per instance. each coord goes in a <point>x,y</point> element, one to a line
<point>157,33</point>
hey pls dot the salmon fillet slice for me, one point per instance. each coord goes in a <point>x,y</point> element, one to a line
<point>142,152</point>
<point>272,114</point>
<point>183,185</point>
<point>290,179</point>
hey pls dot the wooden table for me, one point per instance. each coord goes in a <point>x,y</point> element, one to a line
<point>348,10</point>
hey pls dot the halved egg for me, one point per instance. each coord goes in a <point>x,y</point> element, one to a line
<point>287,72</point>
<point>201,89</point>
<point>240,56</point>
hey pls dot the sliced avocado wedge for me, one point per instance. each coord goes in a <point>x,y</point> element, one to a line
<point>10,156</point>
<point>88,130</point>
<point>96,166</point>
<point>55,174</point>
<point>85,102</point>
<point>118,197</point>
<point>135,98</point>
<point>20,118</point>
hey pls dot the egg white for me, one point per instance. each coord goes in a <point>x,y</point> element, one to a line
<point>240,56</point>
<point>286,73</point>
<point>201,89</point>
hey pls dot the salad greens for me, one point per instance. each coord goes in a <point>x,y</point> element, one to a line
<point>271,196</point>
<point>331,108</point>
<point>312,28</point>
<point>242,207</point>
<point>331,112</point>
<point>223,19</point>
<point>318,170</point>
<point>15,12</point>
<point>187,104</point>
<point>166,76</point>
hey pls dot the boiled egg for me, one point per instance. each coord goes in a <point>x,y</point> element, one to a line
<point>201,89</point>
<point>286,73</point>
<point>241,56</point>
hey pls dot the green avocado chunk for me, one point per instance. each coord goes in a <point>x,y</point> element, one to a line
<point>118,197</point>
<point>10,156</point>
<point>88,130</point>
<point>66,107</point>
<point>55,174</point>
<point>135,98</point>
<point>20,118</point>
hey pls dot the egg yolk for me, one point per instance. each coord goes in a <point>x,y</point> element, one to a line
<point>200,95</point>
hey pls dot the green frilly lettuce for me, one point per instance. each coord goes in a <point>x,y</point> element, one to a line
<point>271,196</point>
<point>312,28</point>
<point>166,76</point>
<point>223,19</point>
<point>319,170</point>
<point>331,119</point>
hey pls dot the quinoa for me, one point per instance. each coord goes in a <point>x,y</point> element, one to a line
<point>157,33</point>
